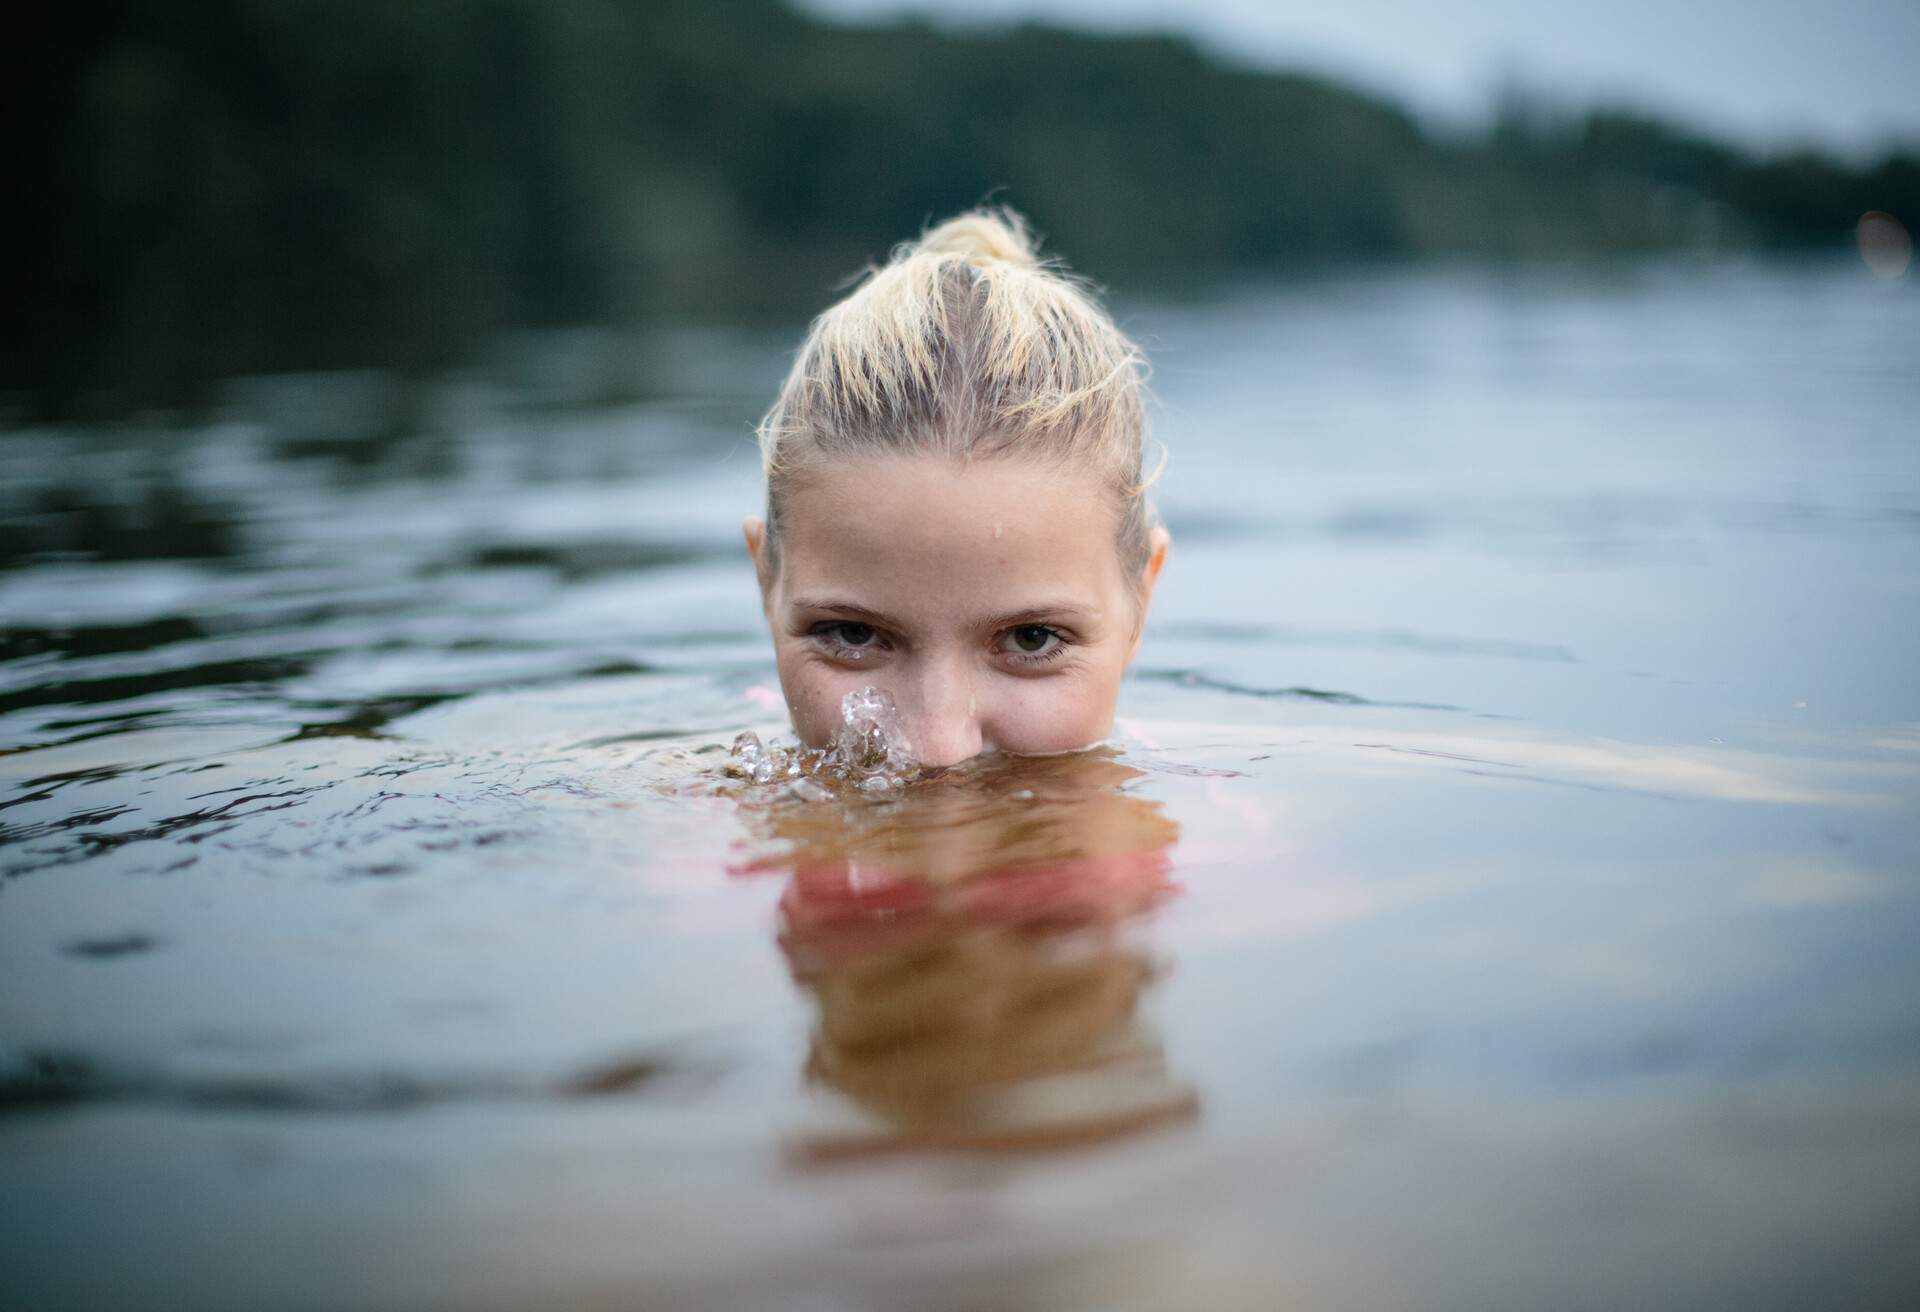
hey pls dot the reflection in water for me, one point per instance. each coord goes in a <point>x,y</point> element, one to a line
<point>973,950</point>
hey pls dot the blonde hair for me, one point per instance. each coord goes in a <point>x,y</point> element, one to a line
<point>967,343</point>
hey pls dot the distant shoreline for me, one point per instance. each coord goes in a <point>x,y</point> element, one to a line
<point>257,186</point>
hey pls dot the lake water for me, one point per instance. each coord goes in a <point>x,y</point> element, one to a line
<point>1503,890</point>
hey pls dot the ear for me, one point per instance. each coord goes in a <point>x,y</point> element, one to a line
<point>1157,543</point>
<point>754,530</point>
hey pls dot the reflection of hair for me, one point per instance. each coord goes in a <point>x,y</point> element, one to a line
<point>919,1027</point>
<point>967,344</point>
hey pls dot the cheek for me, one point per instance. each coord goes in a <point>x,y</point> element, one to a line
<point>813,690</point>
<point>1053,714</point>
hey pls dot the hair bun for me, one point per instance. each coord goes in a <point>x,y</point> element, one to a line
<point>981,235</point>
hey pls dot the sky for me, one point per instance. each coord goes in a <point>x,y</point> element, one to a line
<point>1842,73</point>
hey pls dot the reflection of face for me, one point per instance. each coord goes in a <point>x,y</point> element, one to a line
<point>1052,840</point>
<point>987,598</point>
<point>967,941</point>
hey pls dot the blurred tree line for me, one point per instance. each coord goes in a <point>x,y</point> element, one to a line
<point>232,185</point>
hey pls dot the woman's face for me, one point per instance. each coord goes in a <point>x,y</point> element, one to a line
<point>987,598</point>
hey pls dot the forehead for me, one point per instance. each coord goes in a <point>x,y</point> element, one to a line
<point>930,532</point>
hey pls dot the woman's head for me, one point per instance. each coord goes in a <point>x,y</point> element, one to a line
<point>956,507</point>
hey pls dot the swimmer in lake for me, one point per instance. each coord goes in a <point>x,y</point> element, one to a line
<point>956,508</point>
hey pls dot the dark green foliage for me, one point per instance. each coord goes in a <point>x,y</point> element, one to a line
<point>242,184</point>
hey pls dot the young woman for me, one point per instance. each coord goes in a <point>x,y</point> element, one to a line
<point>956,508</point>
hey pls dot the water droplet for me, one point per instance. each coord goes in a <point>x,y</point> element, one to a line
<point>804,789</point>
<point>747,752</point>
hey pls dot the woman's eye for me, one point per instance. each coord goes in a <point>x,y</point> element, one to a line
<point>1031,640</point>
<point>848,636</point>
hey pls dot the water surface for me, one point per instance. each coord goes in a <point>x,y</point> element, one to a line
<point>1501,888</point>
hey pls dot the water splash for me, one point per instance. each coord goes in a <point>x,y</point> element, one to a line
<point>870,752</point>
<point>871,740</point>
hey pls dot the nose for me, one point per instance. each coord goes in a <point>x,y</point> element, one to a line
<point>942,717</point>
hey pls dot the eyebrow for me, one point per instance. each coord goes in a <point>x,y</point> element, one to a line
<point>1053,610</point>
<point>838,607</point>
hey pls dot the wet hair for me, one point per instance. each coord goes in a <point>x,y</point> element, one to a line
<point>967,344</point>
